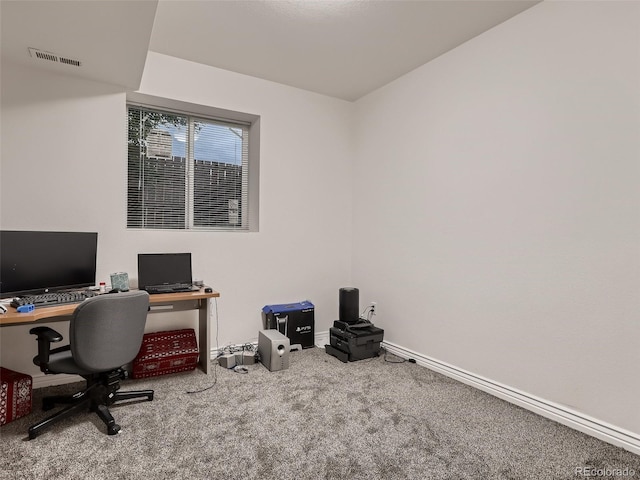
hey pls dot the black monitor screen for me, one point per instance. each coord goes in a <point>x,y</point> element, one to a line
<point>37,262</point>
<point>156,269</point>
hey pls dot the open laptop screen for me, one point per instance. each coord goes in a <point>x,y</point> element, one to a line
<point>156,269</point>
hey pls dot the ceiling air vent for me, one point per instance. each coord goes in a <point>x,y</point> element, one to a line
<point>52,57</point>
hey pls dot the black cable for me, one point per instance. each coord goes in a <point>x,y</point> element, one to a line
<point>402,360</point>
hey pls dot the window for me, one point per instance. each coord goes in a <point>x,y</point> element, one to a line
<point>187,171</point>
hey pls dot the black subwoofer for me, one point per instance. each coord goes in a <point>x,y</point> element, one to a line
<point>349,310</point>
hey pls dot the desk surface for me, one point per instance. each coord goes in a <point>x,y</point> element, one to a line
<point>12,317</point>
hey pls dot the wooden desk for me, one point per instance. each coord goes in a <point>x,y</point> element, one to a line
<point>165,302</point>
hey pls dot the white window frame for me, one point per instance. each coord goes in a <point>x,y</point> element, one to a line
<point>250,207</point>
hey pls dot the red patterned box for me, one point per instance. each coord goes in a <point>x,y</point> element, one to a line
<point>166,352</point>
<point>15,395</point>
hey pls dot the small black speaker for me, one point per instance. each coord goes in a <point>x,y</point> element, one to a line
<point>349,305</point>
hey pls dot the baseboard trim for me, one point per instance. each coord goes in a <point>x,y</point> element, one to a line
<point>321,339</point>
<point>553,411</point>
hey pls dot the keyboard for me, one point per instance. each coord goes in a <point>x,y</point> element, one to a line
<point>172,288</point>
<point>52,299</point>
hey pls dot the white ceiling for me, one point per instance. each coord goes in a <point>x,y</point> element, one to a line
<point>109,38</point>
<point>341,48</point>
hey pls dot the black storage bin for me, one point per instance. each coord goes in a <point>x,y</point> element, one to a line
<point>355,343</point>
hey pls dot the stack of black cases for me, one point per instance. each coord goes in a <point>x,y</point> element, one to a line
<point>356,341</point>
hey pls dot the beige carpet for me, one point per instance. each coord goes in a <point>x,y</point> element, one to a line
<point>320,419</point>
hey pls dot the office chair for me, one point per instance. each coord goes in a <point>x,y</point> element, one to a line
<point>105,333</point>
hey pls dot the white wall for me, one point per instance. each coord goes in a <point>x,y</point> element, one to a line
<point>497,208</point>
<point>493,200</point>
<point>64,168</point>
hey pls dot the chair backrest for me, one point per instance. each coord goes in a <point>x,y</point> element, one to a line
<point>106,331</point>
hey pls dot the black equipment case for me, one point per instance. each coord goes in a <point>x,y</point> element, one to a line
<point>351,342</point>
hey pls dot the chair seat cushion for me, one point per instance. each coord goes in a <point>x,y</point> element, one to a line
<point>62,362</point>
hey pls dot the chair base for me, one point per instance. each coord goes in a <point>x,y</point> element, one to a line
<point>101,392</point>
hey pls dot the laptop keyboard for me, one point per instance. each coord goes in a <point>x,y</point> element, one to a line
<point>172,288</point>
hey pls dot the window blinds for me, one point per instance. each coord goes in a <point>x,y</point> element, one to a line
<point>186,172</point>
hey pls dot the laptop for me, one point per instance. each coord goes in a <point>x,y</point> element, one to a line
<point>164,272</point>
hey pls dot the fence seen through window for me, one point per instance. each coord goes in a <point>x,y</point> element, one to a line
<point>186,172</point>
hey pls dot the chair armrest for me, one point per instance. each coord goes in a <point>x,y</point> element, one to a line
<point>46,336</point>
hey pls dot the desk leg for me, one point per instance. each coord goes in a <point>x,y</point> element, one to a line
<point>204,335</point>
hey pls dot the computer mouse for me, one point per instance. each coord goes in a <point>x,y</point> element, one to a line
<point>208,290</point>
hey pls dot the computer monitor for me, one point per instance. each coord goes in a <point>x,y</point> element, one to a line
<point>34,262</point>
<point>156,269</point>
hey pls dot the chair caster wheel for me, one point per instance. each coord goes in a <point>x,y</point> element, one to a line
<point>113,429</point>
